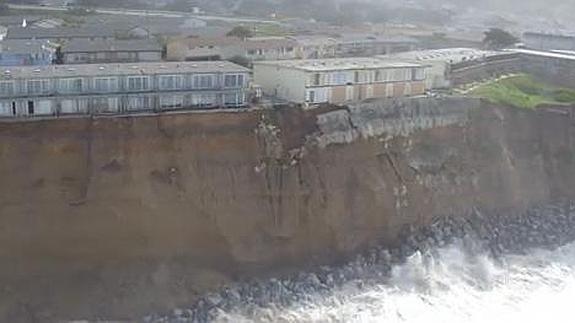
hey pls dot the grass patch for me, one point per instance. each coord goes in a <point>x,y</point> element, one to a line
<point>524,92</point>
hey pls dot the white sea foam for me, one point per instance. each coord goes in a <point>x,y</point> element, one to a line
<point>446,285</point>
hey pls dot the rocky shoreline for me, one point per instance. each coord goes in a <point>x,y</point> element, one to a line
<point>549,226</point>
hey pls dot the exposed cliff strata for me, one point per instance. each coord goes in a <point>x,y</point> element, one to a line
<point>120,217</point>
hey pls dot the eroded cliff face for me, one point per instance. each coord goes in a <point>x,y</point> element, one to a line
<point>118,217</point>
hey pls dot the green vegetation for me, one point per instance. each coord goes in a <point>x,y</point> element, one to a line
<point>496,38</point>
<point>524,92</point>
<point>241,32</point>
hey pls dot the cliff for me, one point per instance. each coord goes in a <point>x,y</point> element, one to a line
<point>119,217</point>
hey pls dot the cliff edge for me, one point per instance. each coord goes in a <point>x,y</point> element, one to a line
<point>119,217</point>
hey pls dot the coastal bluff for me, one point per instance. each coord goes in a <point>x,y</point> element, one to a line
<point>119,217</point>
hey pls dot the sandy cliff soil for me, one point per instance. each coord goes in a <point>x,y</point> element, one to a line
<point>116,218</point>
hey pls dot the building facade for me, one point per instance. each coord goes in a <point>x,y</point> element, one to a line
<point>83,51</point>
<point>339,80</point>
<point>252,49</point>
<point>363,45</point>
<point>121,88</point>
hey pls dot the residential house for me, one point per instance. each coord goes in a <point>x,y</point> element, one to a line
<point>61,35</point>
<point>84,51</point>
<point>121,88</point>
<point>267,48</point>
<point>253,49</point>
<point>314,46</point>
<point>202,48</point>
<point>14,52</point>
<point>338,80</point>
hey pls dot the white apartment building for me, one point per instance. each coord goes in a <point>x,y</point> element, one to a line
<point>339,80</point>
<point>121,88</point>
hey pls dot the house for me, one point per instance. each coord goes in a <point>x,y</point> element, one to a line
<point>147,27</point>
<point>357,45</point>
<point>60,35</point>
<point>314,46</point>
<point>443,62</point>
<point>253,49</point>
<point>267,48</point>
<point>15,52</point>
<point>338,80</point>
<point>121,88</point>
<point>202,48</point>
<point>542,41</point>
<point>84,51</point>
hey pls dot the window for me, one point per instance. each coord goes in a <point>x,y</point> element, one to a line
<point>106,84</point>
<point>203,100</point>
<point>138,83</point>
<point>311,96</point>
<point>171,82</point>
<point>104,104</point>
<point>74,106</point>
<point>171,102</point>
<point>37,86</point>
<point>6,88</point>
<point>233,99</point>
<point>316,79</point>
<point>204,81</point>
<point>136,103</point>
<point>339,78</point>
<point>401,74</point>
<point>71,85</point>
<point>5,108</point>
<point>417,74</point>
<point>234,80</point>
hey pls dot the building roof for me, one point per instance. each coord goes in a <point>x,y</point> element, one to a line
<point>543,54</point>
<point>86,46</point>
<point>448,55</point>
<point>548,35</point>
<point>193,42</point>
<point>250,43</point>
<point>25,46</point>
<point>267,43</point>
<point>338,64</point>
<point>55,33</point>
<point>313,40</point>
<point>82,70</point>
<point>374,38</point>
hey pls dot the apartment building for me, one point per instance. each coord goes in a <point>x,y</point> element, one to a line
<point>253,49</point>
<point>442,63</point>
<point>85,51</point>
<point>363,45</point>
<point>121,88</point>
<point>339,80</point>
<point>314,46</point>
